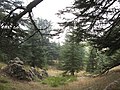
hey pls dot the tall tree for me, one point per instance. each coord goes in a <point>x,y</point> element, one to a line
<point>11,33</point>
<point>8,43</point>
<point>97,21</point>
<point>37,45</point>
<point>92,61</point>
<point>72,57</point>
<point>72,54</point>
<point>38,50</point>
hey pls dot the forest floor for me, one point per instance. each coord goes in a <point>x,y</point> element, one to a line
<point>83,82</point>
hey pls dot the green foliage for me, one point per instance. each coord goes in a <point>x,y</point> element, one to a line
<point>36,47</point>
<point>96,60</point>
<point>57,81</point>
<point>38,50</point>
<point>92,63</point>
<point>4,79</point>
<point>5,87</point>
<point>5,83</point>
<point>112,61</point>
<point>92,22</point>
<point>9,37</point>
<point>72,55</point>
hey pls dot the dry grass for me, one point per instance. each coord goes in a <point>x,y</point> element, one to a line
<point>83,82</point>
<point>54,72</point>
<point>90,83</point>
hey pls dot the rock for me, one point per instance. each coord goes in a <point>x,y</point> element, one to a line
<point>15,69</point>
<point>16,60</point>
<point>36,73</point>
<point>44,73</point>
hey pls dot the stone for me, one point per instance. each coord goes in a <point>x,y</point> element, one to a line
<point>16,60</point>
<point>36,73</point>
<point>44,73</point>
<point>15,69</point>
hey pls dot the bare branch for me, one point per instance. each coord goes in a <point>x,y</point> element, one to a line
<point>35,24</point>
<point>27,9</point>
<point>33,35</point>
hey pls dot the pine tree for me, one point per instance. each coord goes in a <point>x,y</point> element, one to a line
<point>92,61</point>
<point>97,21</point>
<point>72,57</point>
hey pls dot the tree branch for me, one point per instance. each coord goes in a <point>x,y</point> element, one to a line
<point>34,24</point>
<point>32,35</point>
<point>29,8</point>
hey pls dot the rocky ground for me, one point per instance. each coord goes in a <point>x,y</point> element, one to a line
<point>16,69</point>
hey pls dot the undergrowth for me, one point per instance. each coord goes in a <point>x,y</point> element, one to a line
<point>57,81</point>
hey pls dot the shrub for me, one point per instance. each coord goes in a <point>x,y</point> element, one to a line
<point>57,81</point>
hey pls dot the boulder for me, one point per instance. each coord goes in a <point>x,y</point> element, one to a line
<point>15,69</point>
<point>16,60</point>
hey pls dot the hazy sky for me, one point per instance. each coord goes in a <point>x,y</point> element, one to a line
<point>47,10</point>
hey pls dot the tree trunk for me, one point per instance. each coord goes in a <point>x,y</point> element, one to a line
<point>72,72</point>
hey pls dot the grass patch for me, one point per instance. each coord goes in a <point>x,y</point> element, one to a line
<point>5,83</point>
<point>6,87</point>
<point>57,81</point>
<point>4,79</point>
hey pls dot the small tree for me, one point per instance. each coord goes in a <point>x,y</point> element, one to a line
<point>72,57</point>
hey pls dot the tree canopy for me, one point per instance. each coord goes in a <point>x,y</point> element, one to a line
<point>97,21</point>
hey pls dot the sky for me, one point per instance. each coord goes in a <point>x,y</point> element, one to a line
<point>47,10</point>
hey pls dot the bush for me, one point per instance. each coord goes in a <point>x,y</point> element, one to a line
<point>57,81</point>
